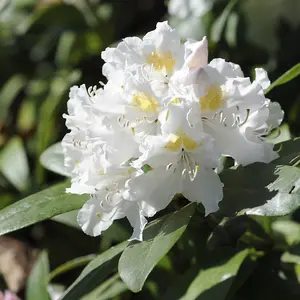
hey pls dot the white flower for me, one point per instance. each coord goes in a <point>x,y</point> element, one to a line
<point>160,52</point>
<point>234,111</point>
<point>159,128</point>
<point>181,160</point>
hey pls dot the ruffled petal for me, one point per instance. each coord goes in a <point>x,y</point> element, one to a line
<point>205,188</point>
<point>261,77</point>
<point>93,220</point>
<point>232,142</point>
<point>155,188</point>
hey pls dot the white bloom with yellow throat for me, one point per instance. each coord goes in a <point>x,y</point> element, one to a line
<point>159,128</point>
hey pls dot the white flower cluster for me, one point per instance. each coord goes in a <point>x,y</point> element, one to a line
<point>160,126</point>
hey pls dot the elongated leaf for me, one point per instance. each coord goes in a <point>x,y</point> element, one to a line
<point>46,133</point>
<point>38,207</point>
<point>72,264</point>
<point>219,25</point>
<point>14,164</point>
<point>287,230</point>
<point>38,280</point>
<point>261,189</point>
<point>68,218</point>
<point>109,289</point>
<point>114,290</point>
<point>289,152</point>
<point>53,159</point>
<point>215,282</point>
<point>138,260</point>
<point>95,273</point>
<point>9,92</point>
<point>282,134</point>
<point>286,77</point>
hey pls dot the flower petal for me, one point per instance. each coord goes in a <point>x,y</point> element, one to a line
<point>261,77</point>
<point>205,188</point>
<point>156,188</point>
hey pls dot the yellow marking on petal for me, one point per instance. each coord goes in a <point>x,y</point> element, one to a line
<point>181,140</point>
<point>167,115</point>
<point>174,101</point>
<point>213,100</point>
<point>101,172</point>
<point>145,102</point>
<point>196,170</point>
<point>76,162</point>
<point>161,61</point>
<point>99,215</point>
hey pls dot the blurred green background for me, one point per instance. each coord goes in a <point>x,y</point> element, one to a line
<point>46,46</point>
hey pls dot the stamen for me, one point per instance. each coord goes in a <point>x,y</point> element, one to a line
<point>169,166</point>
<point>247,117</point>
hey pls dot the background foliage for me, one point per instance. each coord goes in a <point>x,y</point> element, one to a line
<point>47,46</point>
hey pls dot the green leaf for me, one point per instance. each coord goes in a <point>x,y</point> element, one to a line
<point>68,218</point>
<point>138,260</point>
<point>47,124</point>
<point>280,135</point>
<point>38,280</point>
<point>231,29</point>
<point>219,25</point>
<point>9,92</point>
<point>95,273</point>
<point>288,230</point>
<point>260,189</point>
<point>289,152</point>
<point>286,77</point>
<point>215,282</point>
<point>292,256</point>
<point>70,265</point>
<point>112,287</point>
<point>64,48</point>
<point>14,164</point>
<point>181,284</point>
<point>53,159</point>
<point>114,290</point>
<point>38,207</point>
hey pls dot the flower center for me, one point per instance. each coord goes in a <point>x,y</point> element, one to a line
<point>213,100</point>
<point>145,102</point>
<point>180,140</point>
<point>162,61</point>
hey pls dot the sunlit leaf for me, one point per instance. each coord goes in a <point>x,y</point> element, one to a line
<point>288,230</point>
<point>261,189</point>
<point>9,92</point>
<point>289,152</point>
<point>231,29</point>
<point>95,273</point>
<point>286,77</point>
<point>64,48</point>
<point>38,207</point>
<point>282,134</point>
<point>53,159</point>
<point>14,164</point>
<point>215,282</point>
<point>219,25</point>
<point>68,218</point>
<point>159,238</point>
<point>108,289</point>
<point>38,280</point>
<point>72,264</point>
